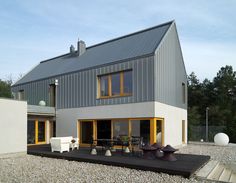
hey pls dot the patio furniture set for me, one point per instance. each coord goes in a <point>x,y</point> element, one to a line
<point>135,144</point>
<point>62,144</point>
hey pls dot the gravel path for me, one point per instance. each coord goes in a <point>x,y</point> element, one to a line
<point>26,169</point>
<point>224,154</point>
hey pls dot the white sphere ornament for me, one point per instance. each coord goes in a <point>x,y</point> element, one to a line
<point>221,139</point>
<point>42,103</point>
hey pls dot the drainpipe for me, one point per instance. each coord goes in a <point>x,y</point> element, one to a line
<point>56,84</point>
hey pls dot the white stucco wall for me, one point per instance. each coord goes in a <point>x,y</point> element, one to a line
<point>67,118</point>
<point>13,126</point>
<point>173,117</point>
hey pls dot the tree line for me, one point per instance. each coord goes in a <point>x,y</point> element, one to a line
<point>218,95</point>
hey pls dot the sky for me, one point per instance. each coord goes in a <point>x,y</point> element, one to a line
<point>33,31</point>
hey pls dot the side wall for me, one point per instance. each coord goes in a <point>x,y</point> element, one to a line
<point>173,117</point>
<point>13,123</point>
<point>170,71</point>
<point>80,89</point>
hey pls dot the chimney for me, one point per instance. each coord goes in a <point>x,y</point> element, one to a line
<point>72,49</point>
<point>81,47</point>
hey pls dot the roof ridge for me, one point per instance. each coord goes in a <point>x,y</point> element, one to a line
<point>55,57</point>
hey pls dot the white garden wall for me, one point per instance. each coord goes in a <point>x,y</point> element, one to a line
<point>13,126</point>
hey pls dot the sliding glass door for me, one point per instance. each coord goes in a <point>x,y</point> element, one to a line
<point>36,132</point>
<point>41,131</point>
<point>31,132</point>
<point>86,131</point>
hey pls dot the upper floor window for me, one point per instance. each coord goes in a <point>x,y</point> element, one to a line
<point>21,95</point>
<point>183,93</point>
<point>52,95</point>
<point>128,82</point>
<point>115,84</point>
<point>104,89</point>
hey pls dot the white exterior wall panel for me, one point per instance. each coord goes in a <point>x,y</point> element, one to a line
<point>173,117</point>
<point>13,127</point>
<point>170,71</point>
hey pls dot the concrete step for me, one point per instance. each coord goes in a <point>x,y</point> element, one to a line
<point>216,172</point>
<point>207,169</point>
<point>233,178</point>
<point>225,176</point>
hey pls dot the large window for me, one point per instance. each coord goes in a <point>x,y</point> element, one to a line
<point>141,128</point>
<point>120,128</point>
<point>36,132</point>
<point>104,86</point>
<point>115,84</point>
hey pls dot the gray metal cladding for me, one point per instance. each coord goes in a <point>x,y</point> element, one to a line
<point>156,77</point>
<point>79,89</point>
<point>130,46</point>
<point>170,71</point>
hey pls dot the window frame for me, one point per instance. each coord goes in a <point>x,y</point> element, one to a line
<point>122,94</point>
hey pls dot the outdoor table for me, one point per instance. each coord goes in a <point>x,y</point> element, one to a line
<point>169,153</point>
<point>105,143</point>
<point>158,147</point>
<point>149,152</point>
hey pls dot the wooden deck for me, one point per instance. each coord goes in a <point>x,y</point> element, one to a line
<point>185,165</point>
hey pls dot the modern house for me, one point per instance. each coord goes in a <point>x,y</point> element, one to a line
<point>134,85</point>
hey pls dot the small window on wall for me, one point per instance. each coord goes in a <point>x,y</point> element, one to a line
<point>52,95</point>
<point>183,93</point>
<point>21,95</point>
<point>115,84</point>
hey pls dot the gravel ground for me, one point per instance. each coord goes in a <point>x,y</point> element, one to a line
<point>26,169</point>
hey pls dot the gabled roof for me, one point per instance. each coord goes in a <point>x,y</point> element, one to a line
<point>130,46</point>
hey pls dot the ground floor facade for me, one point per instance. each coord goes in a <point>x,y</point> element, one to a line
<point>153,121</point>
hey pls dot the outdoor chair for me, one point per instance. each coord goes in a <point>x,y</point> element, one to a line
<point>60,144</point>
<point>125,142</point>
<point>74,145</point>
<point>136,145</point>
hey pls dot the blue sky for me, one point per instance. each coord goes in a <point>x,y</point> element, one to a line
<point>32,31</point>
